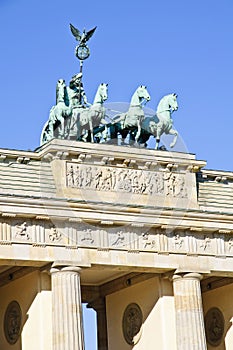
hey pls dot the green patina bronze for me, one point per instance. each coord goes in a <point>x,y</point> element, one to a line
<point>74,118</point>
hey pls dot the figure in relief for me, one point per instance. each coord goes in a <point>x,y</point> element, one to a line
<point>169,178</point>
<point>54,235</point>
<point>230,244</point>
<point>179,187</point>
<point>70,176</point>
<point>87,236</point>
<point>77,176</point>
<point>178,241</point>
<point>21,230</point>
<point>136,181</point>
<point>119,238</point>
<point>148,241</point>
<point>205,243</point>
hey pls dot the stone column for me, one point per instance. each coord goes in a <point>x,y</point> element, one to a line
<point>99,306</point>
<point>190,328</point>
<point>67,308</point>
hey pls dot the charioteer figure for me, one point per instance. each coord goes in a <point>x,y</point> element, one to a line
<point>75,91</point>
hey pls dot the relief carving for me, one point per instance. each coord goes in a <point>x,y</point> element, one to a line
<point>230,244</point>
<point>148,242</point>
<point>119,239</point>
<point>132,323</point>
<point>21,230</point>
<point>178,240</point>
<point>54,235</point>
<point>70,176</point>
<point>145,182</point>
<point>205,243</point>
<point>86,236</point>
<point>12,322</point>
<point>214,326</point>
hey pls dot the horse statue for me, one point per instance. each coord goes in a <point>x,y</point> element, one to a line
<point>87,119</point>
<point>160,123</point>
<point>55,126</point>
<point>130,122</point>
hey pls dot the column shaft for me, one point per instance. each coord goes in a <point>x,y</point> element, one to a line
<point>190,328</point>
<point>67,309</point>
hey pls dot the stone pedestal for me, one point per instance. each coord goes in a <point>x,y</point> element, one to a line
<point>67,308</point>
<point>99,306</point>
<point>190,328</point>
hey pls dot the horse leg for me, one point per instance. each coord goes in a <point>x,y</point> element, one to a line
<point>131,137</point>
<point>158,135</point>
<point>61,129</point>
<point>85,136</point>
<point>138,133</point>
<point>114,133</point>
<point>157,143</point>
<point>157,140</point>
<point>105,133</point>
<point>91,129</point>
<point>124,134</point>
<point>144,137</point>
<point>175,133</point>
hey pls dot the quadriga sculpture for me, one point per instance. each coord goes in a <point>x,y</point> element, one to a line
<point>160,123</point>
<point>130,122</point>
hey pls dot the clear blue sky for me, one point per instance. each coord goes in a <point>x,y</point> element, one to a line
<point>171,46</point>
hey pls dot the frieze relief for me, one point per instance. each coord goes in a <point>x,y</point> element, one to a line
<point>105,237</point>
<point>103,178</point>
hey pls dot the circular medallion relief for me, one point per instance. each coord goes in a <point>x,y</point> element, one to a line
<point>132,323</point>
<point>12,322</point>
<point>214,326</point>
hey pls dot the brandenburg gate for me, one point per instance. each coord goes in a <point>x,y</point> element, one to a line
<point>143,236</point>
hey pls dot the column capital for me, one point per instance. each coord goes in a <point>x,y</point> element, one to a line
<point>190,275</point>
<point>62,266</point>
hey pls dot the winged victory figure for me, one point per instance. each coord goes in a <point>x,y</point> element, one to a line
<point>84,37</point>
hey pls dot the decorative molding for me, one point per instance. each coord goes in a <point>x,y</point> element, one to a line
<point>105,236</point>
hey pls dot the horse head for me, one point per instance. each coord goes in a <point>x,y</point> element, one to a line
<point>60,91</point>
<point>103,92</point>
<point>142,93</point>
<point>173,102</point>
